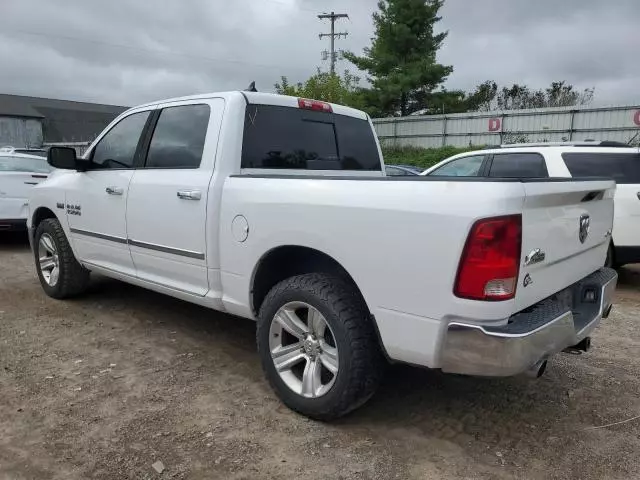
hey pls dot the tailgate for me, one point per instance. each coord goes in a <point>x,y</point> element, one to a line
<point>14,192</point>
<point>566,228</point>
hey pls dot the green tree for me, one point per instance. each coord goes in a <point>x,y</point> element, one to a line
<point>401,61</point>
<point>482,99</point>
<point>343,89</point>
<point>558,94</point>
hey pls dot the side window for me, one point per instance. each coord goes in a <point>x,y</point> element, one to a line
<point>518,165</point>
<point>462,167</point>
<point>393,171</point>
<point>178,138</point>
<point>117,148</point>
<point>623,167</point>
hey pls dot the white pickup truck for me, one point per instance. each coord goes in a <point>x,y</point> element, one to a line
<point>278,209</point>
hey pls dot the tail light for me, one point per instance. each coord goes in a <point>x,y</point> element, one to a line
<point>490,261</point>
<point>316,105</point>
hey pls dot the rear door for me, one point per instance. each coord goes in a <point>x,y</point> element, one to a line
<point>167,203</point>
<point>566,227</point>
<point>624,168</point>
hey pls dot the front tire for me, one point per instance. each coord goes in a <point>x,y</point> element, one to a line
<point>318,346</point>
<point>60,274</point>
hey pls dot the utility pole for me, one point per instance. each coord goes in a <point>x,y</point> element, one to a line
<point>333,16</point>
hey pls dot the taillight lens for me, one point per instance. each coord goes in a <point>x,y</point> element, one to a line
<point>316,105</point>
<point>490,261</point>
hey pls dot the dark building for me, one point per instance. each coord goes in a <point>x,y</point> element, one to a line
<point>31,122</point>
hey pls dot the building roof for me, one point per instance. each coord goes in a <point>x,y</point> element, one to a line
<point>62,120</point>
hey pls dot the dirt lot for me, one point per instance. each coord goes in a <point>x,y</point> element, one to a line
<point>106,385</point>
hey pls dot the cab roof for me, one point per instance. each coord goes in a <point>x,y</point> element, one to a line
<point>260,98</point>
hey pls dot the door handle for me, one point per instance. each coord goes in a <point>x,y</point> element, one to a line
<point>189,194</point>
<point>114,190</point>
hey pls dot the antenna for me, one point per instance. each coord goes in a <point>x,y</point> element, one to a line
<point>251,87</point>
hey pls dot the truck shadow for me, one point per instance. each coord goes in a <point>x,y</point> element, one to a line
<point>629,277</point>
<point>14,241</point>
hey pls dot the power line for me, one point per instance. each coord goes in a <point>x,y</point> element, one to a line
<point>333,17</point>
<point>140,49</point>
<point>296,6</point>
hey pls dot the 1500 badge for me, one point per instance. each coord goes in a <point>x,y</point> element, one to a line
<point>73,210</point>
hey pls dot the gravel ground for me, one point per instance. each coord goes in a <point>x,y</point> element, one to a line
<point>109,384</point>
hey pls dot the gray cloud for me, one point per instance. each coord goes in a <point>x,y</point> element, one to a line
<point>129,52</point>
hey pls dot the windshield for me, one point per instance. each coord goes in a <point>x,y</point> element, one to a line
<point>23,164</point>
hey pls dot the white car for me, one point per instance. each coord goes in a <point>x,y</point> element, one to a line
<point>277,209</point>
<point>581,159</point>
<point>18,174</point>
<point>38,152</point>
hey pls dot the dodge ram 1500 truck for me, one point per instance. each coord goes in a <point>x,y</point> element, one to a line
<point>278,209</point>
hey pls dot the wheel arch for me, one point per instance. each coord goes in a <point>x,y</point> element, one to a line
<point>40,214</point>
<point>286,261</point>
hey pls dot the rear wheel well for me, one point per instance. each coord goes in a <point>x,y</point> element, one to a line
<point>287,261</point>
<point>41,214</point>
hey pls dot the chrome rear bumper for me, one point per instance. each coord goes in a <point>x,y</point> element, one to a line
<point>533,335</point>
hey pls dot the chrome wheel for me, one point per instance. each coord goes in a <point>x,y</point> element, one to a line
<point>303,349</point>
<point>48,261</point>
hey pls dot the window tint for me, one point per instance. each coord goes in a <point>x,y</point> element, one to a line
<point>118,147</point>
<point>623,167</point>
<point>284,137</point>
<point>462,167</point>
<point>20,164</point>
<point>356,144</point>
<point>518,165</point>
<point>178,138</point>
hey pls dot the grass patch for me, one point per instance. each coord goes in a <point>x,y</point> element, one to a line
<point>420,157</point>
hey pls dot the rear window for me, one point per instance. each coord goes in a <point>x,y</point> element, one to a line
<point>284,137</point>
<point>622,167</point>
<point>21,164</point>
<point>37,153</point>
<point>518,165</point>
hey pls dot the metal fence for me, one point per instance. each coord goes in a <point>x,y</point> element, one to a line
<point>620,123</point>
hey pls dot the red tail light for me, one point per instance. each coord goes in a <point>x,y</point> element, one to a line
<point>316,105</point>
<point>490,261</point>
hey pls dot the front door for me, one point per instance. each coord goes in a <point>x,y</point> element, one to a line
<point>167,204</point>
<point>96,200</point>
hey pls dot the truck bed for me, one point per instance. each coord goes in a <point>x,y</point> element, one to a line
<point>400,239</point>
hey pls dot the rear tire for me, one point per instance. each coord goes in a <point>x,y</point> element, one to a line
<point>610,260</point>
<point>60,274</point>
<point>346,352</point>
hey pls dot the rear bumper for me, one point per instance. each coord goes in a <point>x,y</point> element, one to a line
<point>625,255</point>
<point>13,224</point>
<point>531,336</point>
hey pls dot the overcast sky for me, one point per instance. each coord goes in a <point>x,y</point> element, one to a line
<point>132,51</point>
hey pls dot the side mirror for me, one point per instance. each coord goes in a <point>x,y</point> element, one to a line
<point>62,157</point>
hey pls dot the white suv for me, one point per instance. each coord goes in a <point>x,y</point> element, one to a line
<point>546,160</point>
